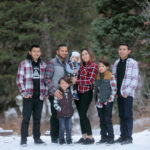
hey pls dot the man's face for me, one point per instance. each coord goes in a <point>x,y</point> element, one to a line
<point>124,51</point>
<point>35,53</point>
<point>62,52</point>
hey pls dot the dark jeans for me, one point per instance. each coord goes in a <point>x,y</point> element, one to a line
<point>31,106</point>
<point>54,123</point>
<point>65,124</point>
<point>126,116</point>
<point>82,107</point>
<point>105,115</point>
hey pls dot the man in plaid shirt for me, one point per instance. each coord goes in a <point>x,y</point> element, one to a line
<point>126,73</point>
<point>54,71</point>
<point>30,81</point>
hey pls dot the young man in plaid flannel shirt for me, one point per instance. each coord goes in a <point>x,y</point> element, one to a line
<point>126,72</point>
<point>30,81</point>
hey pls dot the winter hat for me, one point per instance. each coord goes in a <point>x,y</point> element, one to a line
<point>76,54</point>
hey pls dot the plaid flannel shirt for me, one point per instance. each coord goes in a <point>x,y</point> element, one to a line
<point>54,71</point>
<point>130,80</point>
<point>24,79</point>
<point>86,78</point>
<point>48,77</point>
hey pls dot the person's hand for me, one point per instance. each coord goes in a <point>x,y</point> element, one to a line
<point>27,96</point>
<point>74,91</point>
<point>74,80</point>
<point>58,94</point>
<point>75,71</point>
<point>124,96</point>
<point>116,96</point>
<point>45,97</point>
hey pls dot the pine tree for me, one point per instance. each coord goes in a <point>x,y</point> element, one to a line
<point>117,21</point>
<point>46,22</point>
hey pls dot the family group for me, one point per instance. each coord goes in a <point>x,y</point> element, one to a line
<point>72,80</point>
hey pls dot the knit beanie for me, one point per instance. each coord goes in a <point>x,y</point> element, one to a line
<point>76,54</point>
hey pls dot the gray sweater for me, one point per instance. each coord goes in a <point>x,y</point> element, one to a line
<point>54,71</point>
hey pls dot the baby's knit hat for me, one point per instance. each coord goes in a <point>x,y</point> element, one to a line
<point>76,54</point>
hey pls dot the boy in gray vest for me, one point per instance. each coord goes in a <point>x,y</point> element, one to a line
<point>104,94</point>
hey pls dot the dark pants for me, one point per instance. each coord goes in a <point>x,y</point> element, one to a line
<point>54,123</point>
<point>31,106</point>
<point>126,116</point>
<point>82,107</point>
<point>65,124</point>
<point>105,115</point>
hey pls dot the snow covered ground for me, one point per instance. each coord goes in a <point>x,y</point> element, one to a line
<point>141,142</point>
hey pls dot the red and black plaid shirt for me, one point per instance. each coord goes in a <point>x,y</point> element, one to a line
<point>86,78</point>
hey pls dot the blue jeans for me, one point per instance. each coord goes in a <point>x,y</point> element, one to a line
<point>65,123</point>
<point>126,116</point>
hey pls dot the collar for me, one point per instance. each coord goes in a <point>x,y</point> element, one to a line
<point>57,57</point>
<point>38,61</point>
<point>124,60</point>
<point>87,64</point>
<point>106,75</point>
<point>67,90</point>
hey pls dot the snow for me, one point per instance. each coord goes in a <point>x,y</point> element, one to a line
<point>141,121</point>
<point>141,142</point>
<point>19,98</point>
<point>6,131</point>
<point>11,112</point>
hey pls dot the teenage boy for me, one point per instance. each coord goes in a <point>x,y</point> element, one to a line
<point>30,81</point>
<point>54,71</point>
<point>126,72</point>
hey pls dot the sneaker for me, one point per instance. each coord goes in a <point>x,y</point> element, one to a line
<point>38,141</point>
<point>89,141</point>
<point>62,141</point>
<point>75,96</point>
<point>104,140</point>
<point>80,141</point>
<point>54,140</point>
<point>69,141</point>
<point>23,141</point>
<point>119,140</point>
<point>110,141</point>
<point>127,141</point>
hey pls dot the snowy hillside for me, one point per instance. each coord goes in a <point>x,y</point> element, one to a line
<point>141,142</point>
